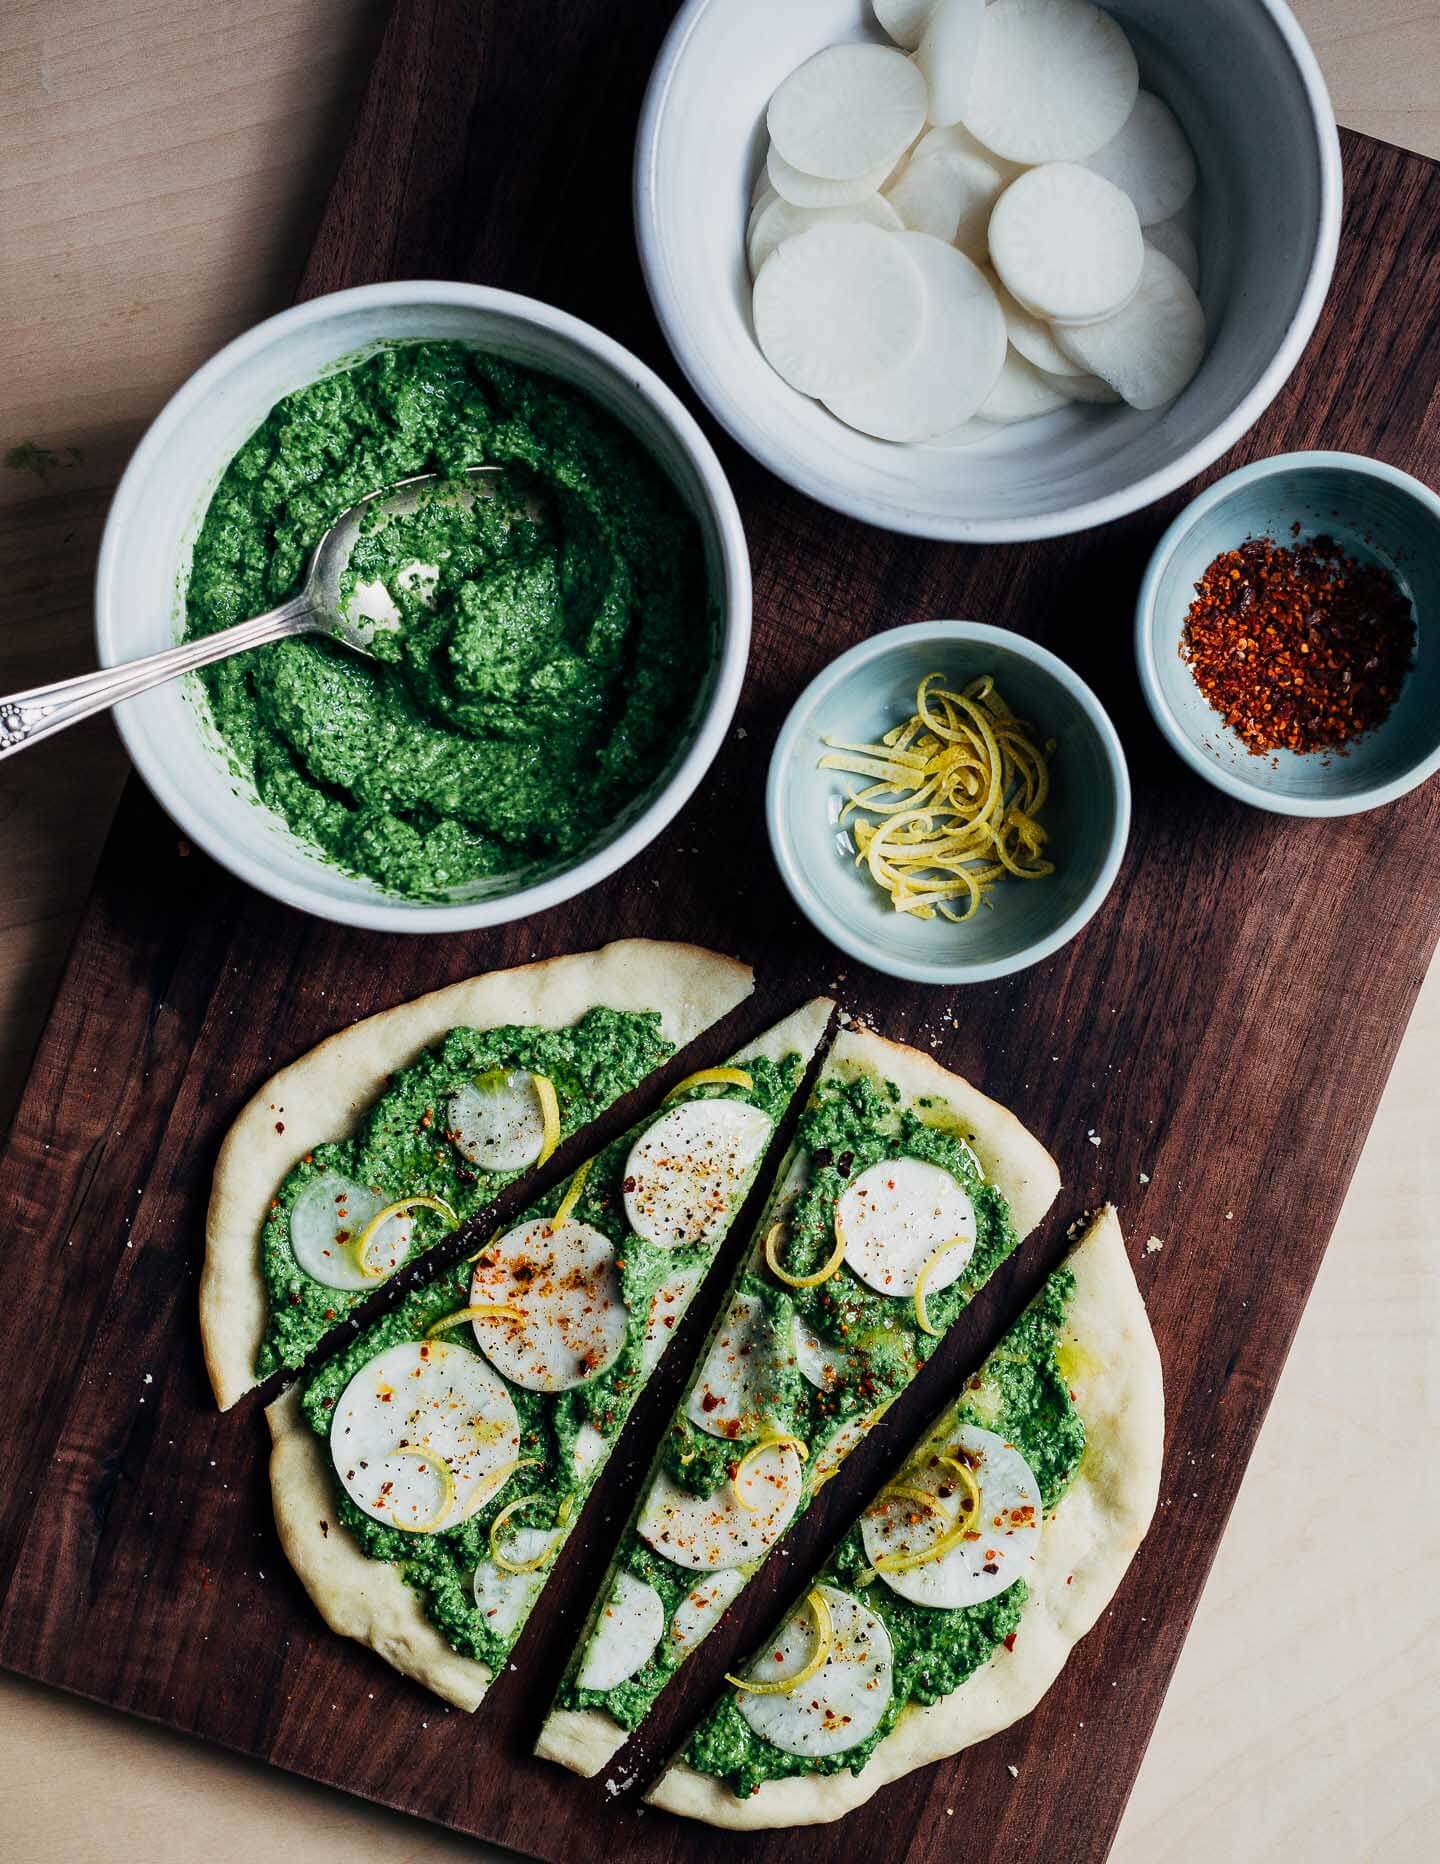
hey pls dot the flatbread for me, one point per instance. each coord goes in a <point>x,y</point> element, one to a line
<point>366,1599</point>
<point>325,1093</point>
<point>586,1740</point>
<point>1085,1549</point>
<point>356,1596</point>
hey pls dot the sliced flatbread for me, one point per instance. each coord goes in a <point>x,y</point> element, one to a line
<point>1084,1547</point>
<point>581,1734</point>
<point>327,1091</point>
<point>369,1599</point>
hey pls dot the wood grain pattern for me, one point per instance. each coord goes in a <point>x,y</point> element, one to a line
<point>1200,1027</point>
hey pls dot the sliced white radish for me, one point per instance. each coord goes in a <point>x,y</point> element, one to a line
<point>1088,389</point>
<point>1054,80</point>
<point>327,1220</point>
<point>987,1550</point>
<point>896,1215</point>
<point>951,196</point>
<point>904,20</point>
<point>1150,160</point>
<point>847,110</point>
<point>1170,237</point>
<point>761,186</point>
<point>423,1434</point>
<point>667,1310</point>
<point>504,1599</point>
<point>1151,349</point>
<point>957,362</point>
<point>822,1363</point>
<point>1067,243</point>
<point>801,190</point>
<point>588,1450</point>
<point>688,1169</point>
<point>775,220</point>
<point>830,1452</point>
<point>946,56</point>
<point>567,1318</point>
<point>702,1608</point>
<point>737,1390</point>
<point>1021,394</point>
<point>955,139</point>
<point>733,1527</point>
<point>629,1627</point>
<point>497,1121</point>
<point>843,1702</point>
<point>1030,335</point>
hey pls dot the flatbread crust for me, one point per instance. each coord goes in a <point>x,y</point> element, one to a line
<point>586,1740</point>
<point>367,1599</point>
<point>1084,1553</point>
<point>358,1597</point>
<point>325,1092</point>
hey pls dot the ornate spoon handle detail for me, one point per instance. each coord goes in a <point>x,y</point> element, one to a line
<point>26,718</point>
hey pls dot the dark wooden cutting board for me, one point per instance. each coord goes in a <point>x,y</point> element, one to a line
<point>1225,1026</point>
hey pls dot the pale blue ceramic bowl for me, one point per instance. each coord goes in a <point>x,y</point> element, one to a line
<point>872,688</point>
<point>1374,512</point>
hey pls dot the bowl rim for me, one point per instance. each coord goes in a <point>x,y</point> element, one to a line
<point>386,914</point>
<point>1061,520</point>
<point>1376,795</point>
<point>816,907</point>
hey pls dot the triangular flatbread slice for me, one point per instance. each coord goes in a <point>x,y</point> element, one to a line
<point>940,1634</point>
<point>905,1188</point>
<point>427,1477</point>
<point>371,1116</point>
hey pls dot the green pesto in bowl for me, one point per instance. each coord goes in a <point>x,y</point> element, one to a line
<point>538,683</point>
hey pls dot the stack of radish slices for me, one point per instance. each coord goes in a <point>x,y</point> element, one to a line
<point>980,232</point>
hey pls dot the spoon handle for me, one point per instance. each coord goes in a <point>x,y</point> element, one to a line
<point>26,718</point>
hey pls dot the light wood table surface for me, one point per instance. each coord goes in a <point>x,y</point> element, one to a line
<point>162,163</point>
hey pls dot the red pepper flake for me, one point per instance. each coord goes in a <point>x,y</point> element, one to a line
<point>1298,647</point>
<point>279,1126</point>
<point>1010,1641</point>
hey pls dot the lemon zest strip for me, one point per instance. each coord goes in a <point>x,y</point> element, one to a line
<point>823,1273</point>
<point>382,1217</point>
<point>765,1443</point>
<point>546,1553</point>
<point>953,1535</point>
<point>549,1114</point>
<point>824,1639</point>
<point>957,791</point>
<point>708,1077</point>
<point>922,1319</point>
<point>565,1208</point>
<point>447,1489</point>
<point>970,1485</point>
<point>484,1310</point>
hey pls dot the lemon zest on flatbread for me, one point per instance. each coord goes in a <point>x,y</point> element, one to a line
<point>756,1449</point>
<point>382,1217</point>
<point>447,1490</point>
<point>565,1208</point>
<point>711,1077</point>
<point>956,798</point>
<point>483,1310</point>
<point>823,1273</point>
<point>824,1639</point>
<point>549,1114</point>
<point>922,1318</point>
<point>511,1508</point>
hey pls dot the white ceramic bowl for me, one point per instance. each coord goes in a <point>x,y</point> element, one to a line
<point>161,501</point>
<point>1246,86</point>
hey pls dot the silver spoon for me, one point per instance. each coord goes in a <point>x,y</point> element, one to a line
<point>26,718</point>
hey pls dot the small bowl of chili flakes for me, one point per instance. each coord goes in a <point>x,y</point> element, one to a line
<point>1286,634</point>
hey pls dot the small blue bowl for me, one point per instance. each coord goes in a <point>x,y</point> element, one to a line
<point>872,688</point>
<point>1374,513</point>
